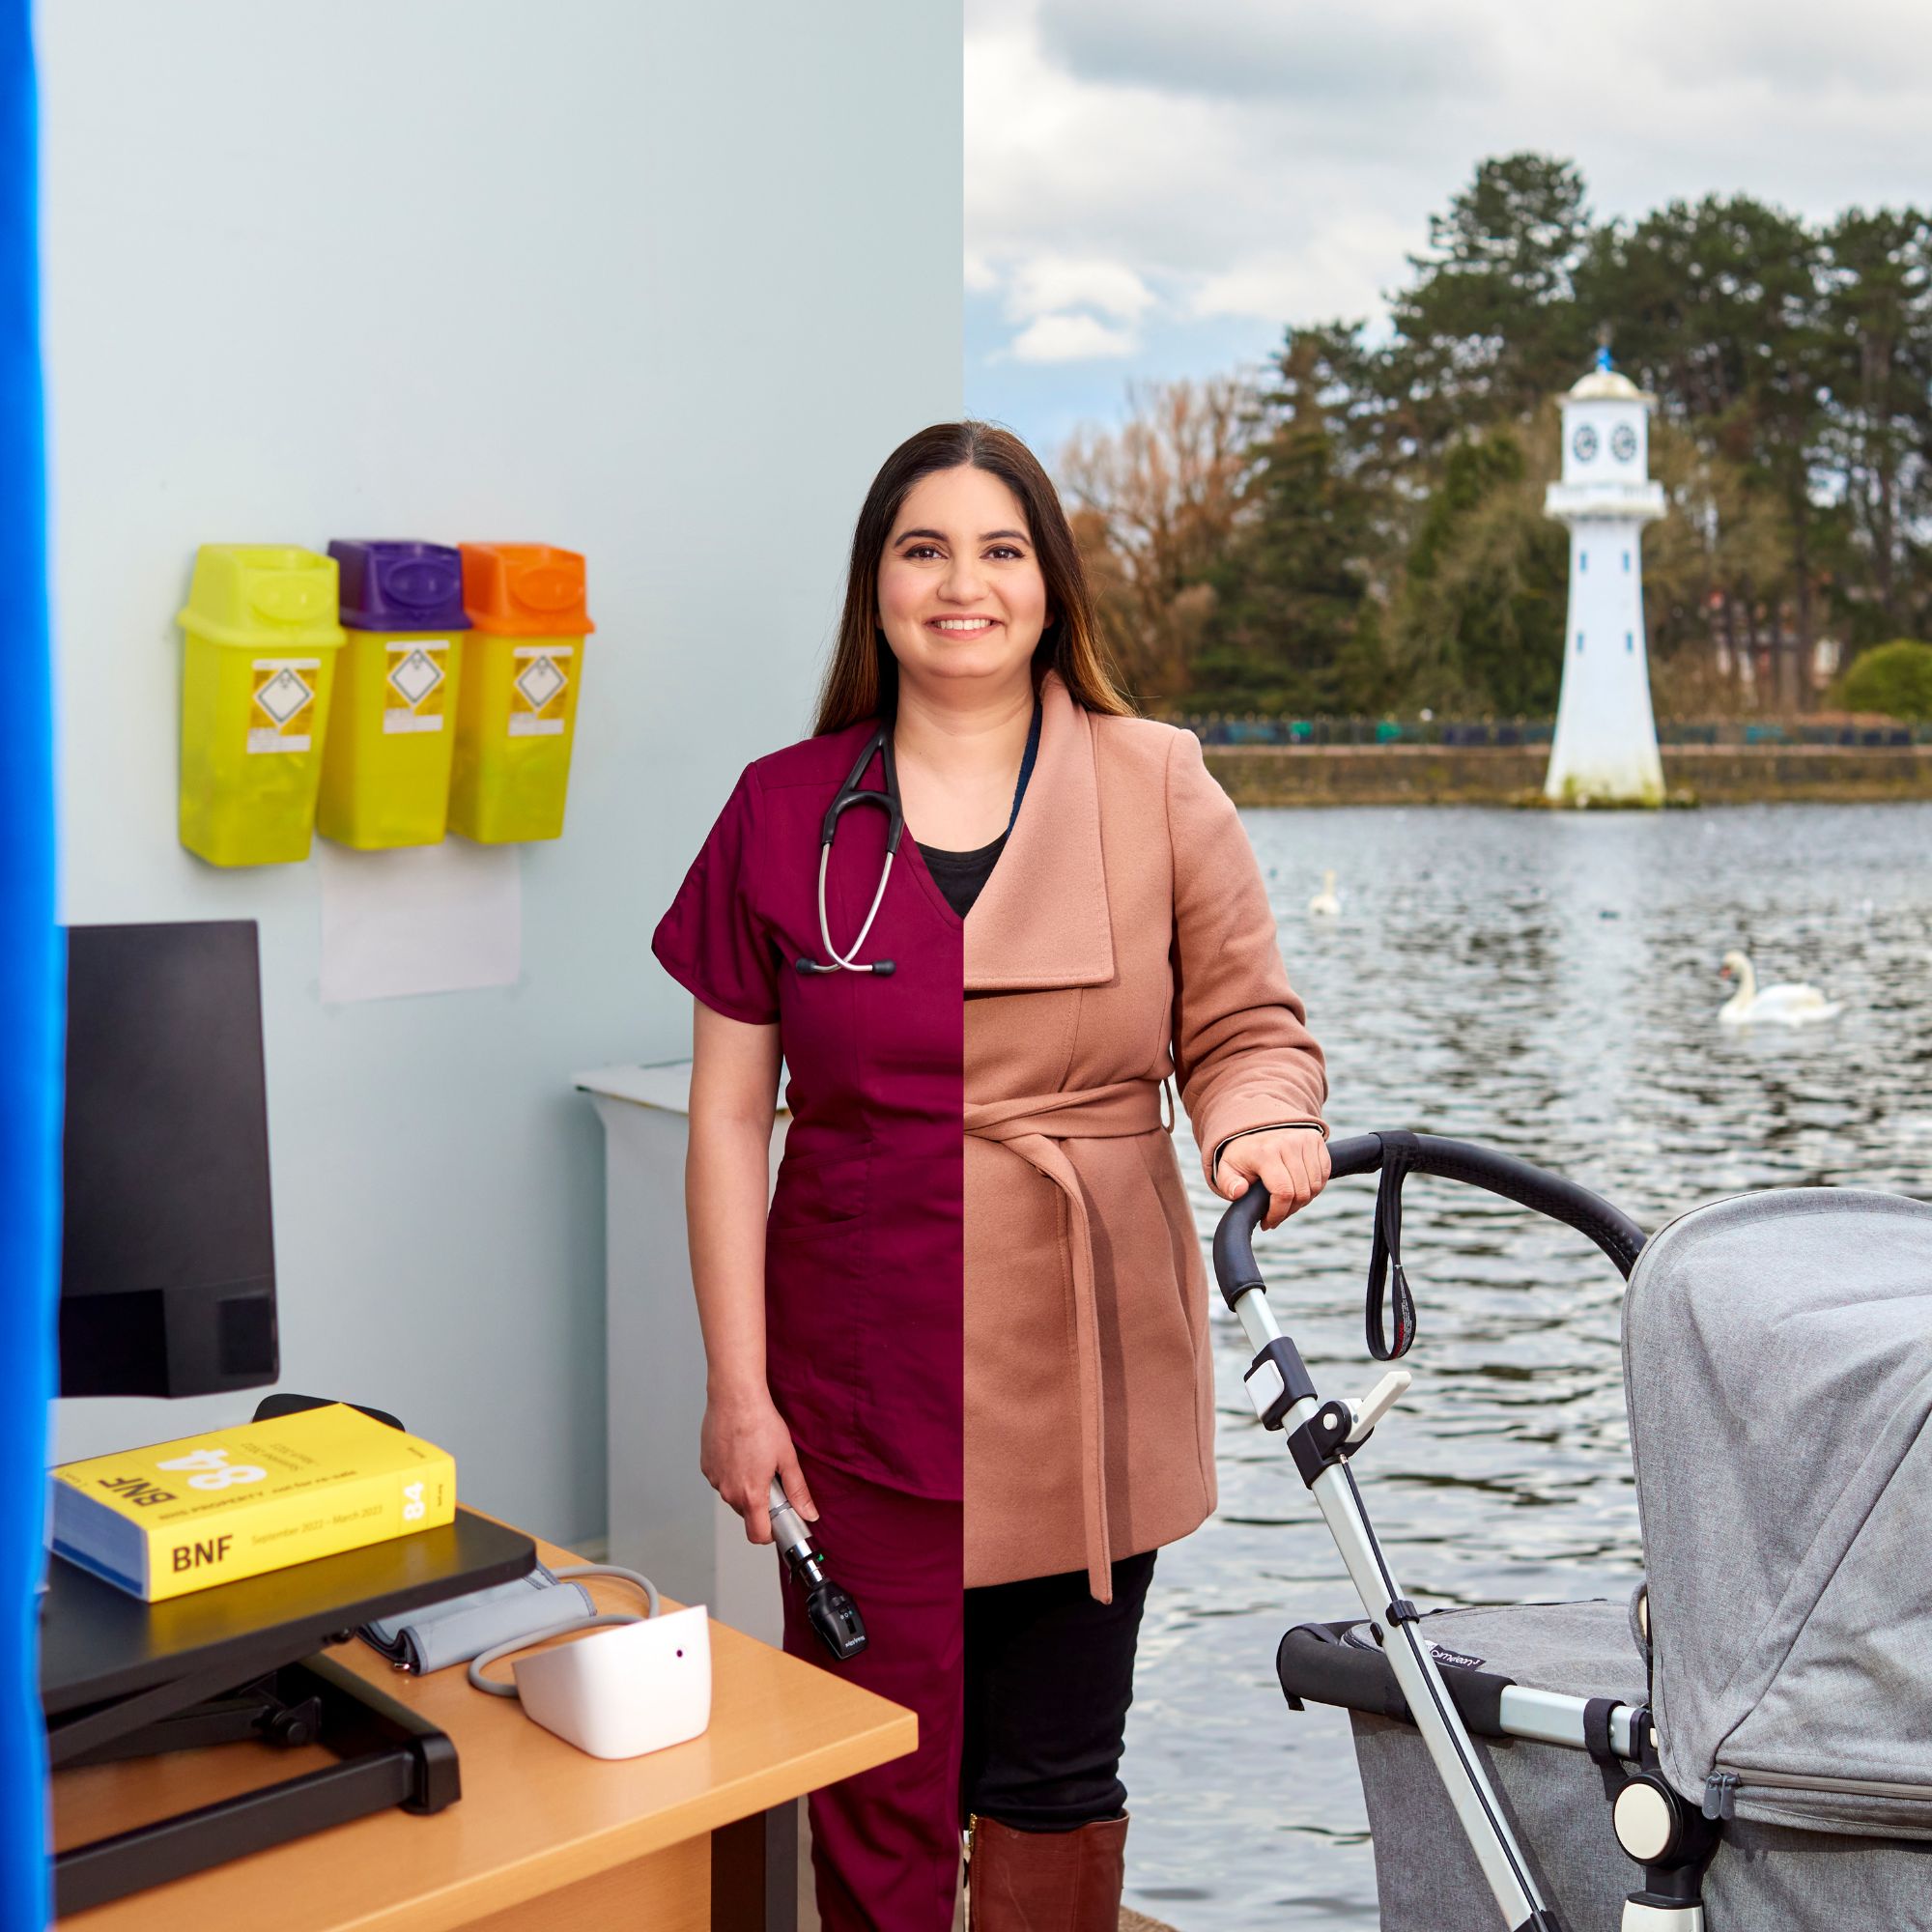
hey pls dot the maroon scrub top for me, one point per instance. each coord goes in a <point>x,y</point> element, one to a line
<point>864,1251</point>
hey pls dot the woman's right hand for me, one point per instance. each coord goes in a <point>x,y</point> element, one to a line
<point>743,1445</point>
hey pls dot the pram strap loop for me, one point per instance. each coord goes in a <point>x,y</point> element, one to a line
<point>1400,1153</point>
<point>1596,1714</point>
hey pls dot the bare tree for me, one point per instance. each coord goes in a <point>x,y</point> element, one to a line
<point>1153,504</point>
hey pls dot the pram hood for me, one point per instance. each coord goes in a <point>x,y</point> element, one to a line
<point>1777,1368</point>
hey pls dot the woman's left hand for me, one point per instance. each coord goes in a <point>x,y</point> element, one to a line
<point>1290,1162</point>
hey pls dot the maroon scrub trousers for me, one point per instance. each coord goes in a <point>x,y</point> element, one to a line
<point>863,1274</point>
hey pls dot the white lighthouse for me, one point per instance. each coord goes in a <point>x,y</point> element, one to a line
<point>1605,751</point>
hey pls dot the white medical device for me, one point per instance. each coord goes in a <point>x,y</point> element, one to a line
<point>634,1685</point>
<point>623,1692</point>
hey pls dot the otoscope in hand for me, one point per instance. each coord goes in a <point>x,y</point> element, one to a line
<point>834,1615</point>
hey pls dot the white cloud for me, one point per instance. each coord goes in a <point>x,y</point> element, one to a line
<point>1048,283</point>
<point>1248,49</point>
<point>978,274</point>
<point>1870,49</point>
<point>1152,162</point>
<point>1337,273</point>
<point>1069,338</point>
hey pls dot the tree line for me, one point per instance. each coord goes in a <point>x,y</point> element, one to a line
<point>1361,528</point>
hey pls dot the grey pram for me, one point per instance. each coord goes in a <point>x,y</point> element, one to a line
<point>1747,1741</point>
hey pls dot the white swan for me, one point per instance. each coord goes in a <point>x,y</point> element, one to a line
<point>1781,1005</point>
<point>1325,904</point>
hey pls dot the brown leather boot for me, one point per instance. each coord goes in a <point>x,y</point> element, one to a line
<point>1046,1881</point>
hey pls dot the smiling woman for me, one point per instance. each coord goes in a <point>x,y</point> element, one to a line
<point>832,1324</point>
<point>989,473</point>
<point>978,1267</point>
<point>1121,939</point>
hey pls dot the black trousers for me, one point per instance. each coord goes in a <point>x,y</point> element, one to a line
<point>1049,1676</point>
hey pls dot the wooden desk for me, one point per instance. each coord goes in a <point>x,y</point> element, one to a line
<point>543,1836</point>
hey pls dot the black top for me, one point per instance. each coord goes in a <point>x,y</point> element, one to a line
<point>962,875</point>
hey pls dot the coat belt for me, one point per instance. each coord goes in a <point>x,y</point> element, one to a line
<point>1035,1128</point>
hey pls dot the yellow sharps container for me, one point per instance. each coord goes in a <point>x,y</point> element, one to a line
<point>522,667</point>
<point>385,775</point>
<point>261,637</point>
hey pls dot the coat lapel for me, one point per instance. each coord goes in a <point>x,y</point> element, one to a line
<point>1041,921</point>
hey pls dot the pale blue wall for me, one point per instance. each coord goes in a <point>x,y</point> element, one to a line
<point>661,282</point>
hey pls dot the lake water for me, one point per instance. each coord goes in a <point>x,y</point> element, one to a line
<point>1545,984</point>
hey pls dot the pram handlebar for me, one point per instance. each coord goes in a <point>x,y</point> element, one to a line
<point>1613,1231</point>
<point>1322,1438</point>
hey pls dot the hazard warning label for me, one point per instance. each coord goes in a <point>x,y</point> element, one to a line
<point>417,685</point>
<point>537,691</point>
<point>284,689</point>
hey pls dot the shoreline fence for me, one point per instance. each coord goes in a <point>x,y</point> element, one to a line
<point>1216,728</point>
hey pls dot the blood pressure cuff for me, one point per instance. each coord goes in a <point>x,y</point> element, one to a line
<point>436,1635</point>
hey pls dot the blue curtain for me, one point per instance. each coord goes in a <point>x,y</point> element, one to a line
<point>32,985</point>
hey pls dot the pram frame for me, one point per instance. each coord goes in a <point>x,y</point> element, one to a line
<point>1321,1437</point>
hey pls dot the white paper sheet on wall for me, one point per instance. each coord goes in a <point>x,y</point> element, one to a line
<point>425,919</point>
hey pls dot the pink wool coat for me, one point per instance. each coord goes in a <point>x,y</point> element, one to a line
<point>1124,936</point>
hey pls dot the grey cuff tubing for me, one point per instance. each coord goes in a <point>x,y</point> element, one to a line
<point>483,1660</point>
<point>527,1609</point>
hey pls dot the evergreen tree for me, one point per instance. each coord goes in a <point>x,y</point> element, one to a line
<point>1491,321</point>
<point>1289,592</point>
<point>1876,356</point>
<point>1480,622</point>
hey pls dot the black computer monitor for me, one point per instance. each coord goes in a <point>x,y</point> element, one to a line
<point>167,1252</point>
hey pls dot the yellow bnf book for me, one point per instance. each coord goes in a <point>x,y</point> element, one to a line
<point>208,1509</point>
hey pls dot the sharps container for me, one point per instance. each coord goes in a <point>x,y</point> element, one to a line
<point>385,773</point>
<point>517,711</point>
<point>262,638</point>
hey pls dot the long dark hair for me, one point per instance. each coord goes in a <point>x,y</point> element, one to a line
<point>862,681</point>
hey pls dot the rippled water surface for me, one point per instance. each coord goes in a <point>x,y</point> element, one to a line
<point>1547,984</point>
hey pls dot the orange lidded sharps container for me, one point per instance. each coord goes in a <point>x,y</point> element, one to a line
<point>517,711</point>
<point>385,773</point>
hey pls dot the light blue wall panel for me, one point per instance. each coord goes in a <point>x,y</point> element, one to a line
<point>660,282</point>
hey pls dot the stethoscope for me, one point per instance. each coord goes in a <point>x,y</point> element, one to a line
<point>888,801</point>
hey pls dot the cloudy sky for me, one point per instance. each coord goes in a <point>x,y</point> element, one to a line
<point>1154,186</point>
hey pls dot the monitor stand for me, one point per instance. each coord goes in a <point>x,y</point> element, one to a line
<point>121,1678</point>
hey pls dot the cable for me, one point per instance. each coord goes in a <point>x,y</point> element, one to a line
<point>479,1664</point>
<point>616,1570</point>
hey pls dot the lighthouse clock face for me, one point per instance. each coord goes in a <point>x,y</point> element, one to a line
<point>1584,442</point>
<point>1623,443</point>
